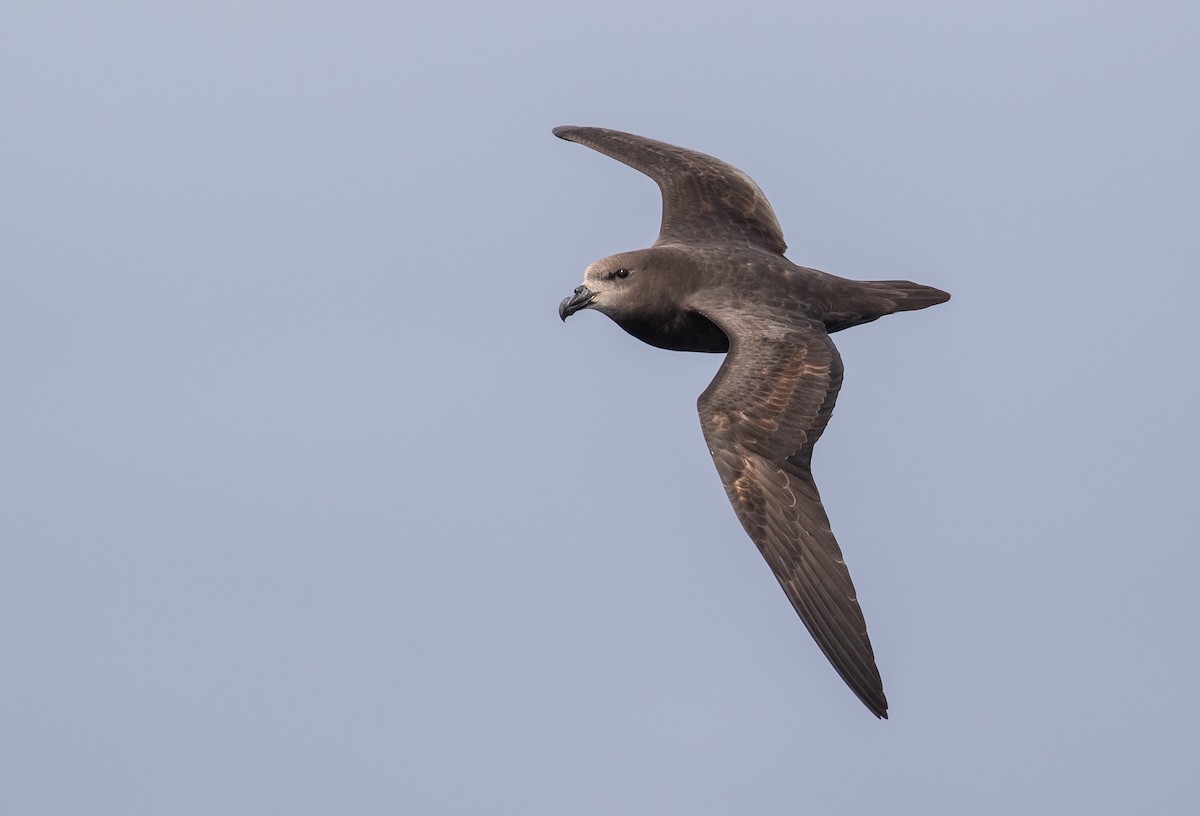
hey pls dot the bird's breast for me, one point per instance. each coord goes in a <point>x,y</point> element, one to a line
<point>677,331</point>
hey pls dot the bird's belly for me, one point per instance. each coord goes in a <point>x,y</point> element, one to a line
<point>685,331</point>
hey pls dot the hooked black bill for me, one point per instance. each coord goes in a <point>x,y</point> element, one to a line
<point>582,297</point>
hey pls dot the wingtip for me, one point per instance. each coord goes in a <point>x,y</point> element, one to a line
<point>566,131</point>
<point>872,697</point>
<point>877,707</point>
<point>880,710</point>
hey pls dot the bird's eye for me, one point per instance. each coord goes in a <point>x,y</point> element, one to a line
<point>621,273</point>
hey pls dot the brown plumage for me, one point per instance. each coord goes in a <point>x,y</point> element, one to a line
<point>716,280</point>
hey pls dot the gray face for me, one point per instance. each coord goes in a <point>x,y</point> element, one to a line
<point>608,285</point>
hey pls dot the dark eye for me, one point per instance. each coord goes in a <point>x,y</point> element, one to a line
<point>621,273</point>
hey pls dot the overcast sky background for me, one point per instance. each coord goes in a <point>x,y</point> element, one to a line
<point>310,504</point>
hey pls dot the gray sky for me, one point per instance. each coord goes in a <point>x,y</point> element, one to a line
<point>312,505</point>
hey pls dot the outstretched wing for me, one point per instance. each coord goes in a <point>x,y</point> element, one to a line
<point>705,200</point>
<point>761,416</point>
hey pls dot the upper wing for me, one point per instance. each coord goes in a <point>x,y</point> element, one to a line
<point>761,416</point>
<point>704,199</point>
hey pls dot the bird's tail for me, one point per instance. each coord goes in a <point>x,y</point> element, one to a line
<point>870,300</point>
<point>907,296</point>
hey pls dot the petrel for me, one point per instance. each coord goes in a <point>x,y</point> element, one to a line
<point>716,280</point>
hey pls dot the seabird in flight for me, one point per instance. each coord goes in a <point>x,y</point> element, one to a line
<point>716,280</point>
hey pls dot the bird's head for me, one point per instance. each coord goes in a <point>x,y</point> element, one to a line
<point>616,285</point>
